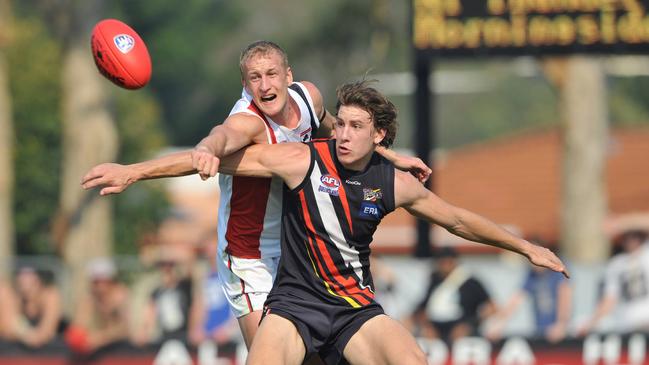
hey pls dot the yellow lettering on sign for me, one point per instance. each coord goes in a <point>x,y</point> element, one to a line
<point>540,31</point>
<point>473,33</point>
<point>497,33</point>
<point>454,33</point>
<point>608,26</point>
<point>519,30</point>
<point>453,7</point>
<point>631,29</point>
<point>565,30</point>
<point>496,7</point>
<point>587,30</point>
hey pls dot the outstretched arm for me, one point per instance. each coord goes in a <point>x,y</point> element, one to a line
<point>419,201</point>
<point>115,178</point>
<point>236,132</point>
<point>288,161</point>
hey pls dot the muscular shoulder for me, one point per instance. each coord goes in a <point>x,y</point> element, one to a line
<point>310,87</point>
<point>407,189</point>
<point>249,124</point>
<point>314,92</point>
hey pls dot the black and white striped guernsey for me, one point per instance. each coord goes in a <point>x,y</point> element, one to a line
<point>327,227</point>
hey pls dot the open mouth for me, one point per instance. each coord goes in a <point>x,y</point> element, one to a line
<point>266,99</point>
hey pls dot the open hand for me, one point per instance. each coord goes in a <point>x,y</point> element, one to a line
<point>541,256</point>
<point>114,178</point>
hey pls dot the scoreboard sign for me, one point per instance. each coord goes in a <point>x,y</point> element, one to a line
<point>530,27</point>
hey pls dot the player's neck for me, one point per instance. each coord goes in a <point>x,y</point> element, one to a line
<point>289,116</point>
<point>358,165</point>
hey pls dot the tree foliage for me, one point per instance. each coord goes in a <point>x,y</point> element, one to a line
<point>36,97</point>
<point>195,48</point>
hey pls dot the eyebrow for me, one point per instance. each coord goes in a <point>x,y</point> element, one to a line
<point>354,120</point>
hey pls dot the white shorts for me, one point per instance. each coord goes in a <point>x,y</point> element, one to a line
<point>246,282</point>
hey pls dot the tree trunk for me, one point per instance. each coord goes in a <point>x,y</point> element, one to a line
<point>584,112</point>
<point>6,148</point>
<point>89,137</point>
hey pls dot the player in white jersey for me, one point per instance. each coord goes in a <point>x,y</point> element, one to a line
<point>270,111</point>
<point>250,212</point>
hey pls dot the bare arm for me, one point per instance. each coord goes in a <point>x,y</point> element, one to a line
<point>411,164</point>
<point>237,131</point>
<point>115,178</point>
<point>288,161</point>
<point>115,330</point>
<point>419,201</point>
<point>144,332</point>
<point>45,330</point>
<point>557,331</point>
<point>604,307</point>
<point>501,317</point>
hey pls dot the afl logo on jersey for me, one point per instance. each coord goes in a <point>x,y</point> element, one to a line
<point>329,184</point>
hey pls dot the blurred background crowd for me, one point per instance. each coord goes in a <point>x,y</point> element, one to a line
<point>84,274</point>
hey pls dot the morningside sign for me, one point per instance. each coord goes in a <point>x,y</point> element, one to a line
<point>530,27</point>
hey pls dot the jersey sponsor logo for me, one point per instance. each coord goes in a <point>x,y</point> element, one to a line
<point>352,182</point>
<point>369,210</point>
<point>124,43</point>
<point>372,195</point>
<point>329,184</point>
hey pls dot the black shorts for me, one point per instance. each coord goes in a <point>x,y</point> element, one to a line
<point>325,328</point>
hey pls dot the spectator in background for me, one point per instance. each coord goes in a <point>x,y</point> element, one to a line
<point>214,320</point>
<point>35,316</point>
<point>169,307</point>
<point>455,303</point>
<point>551,297</point>
<point>102,316</point>
<point>626,286</point>
<point>384,285</point>
<point>8,312</point>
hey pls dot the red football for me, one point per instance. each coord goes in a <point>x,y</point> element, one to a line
<point>120,54</point>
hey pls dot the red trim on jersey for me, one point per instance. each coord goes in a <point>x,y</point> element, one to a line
<point>349,286</point>
<point>248,207</point>
<point>247,212</point>
<point>252,107</point>
<point>323,150</point>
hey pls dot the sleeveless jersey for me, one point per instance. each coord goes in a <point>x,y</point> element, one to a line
<point>250,208</point>
<point>328,223</point>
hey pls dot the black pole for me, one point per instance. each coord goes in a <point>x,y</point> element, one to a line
<point>423,138</point>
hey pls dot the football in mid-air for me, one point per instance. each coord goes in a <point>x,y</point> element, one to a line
<point>120,54</point>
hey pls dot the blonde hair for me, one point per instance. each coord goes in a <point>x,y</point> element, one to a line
<point>263,48</point>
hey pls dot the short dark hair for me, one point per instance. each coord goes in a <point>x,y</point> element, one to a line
<point>264,48</point>
<point>381,110</point>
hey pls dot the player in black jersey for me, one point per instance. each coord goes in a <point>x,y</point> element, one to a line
<point>335,194</point>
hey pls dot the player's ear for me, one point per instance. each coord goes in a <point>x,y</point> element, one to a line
<point>289,75</point>
<point>379,134</point>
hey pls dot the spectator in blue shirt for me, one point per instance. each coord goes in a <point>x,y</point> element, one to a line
<point>551,298</point>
